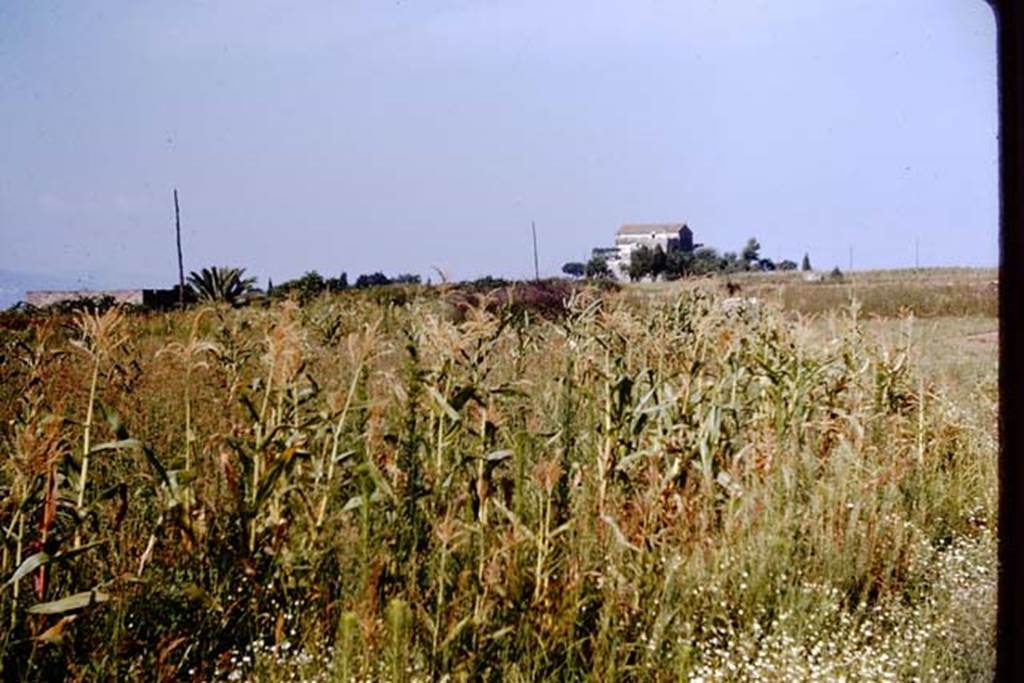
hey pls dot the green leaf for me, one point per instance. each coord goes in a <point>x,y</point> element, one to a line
<point>447,407</point>
<point>70,603</point>
<point>31,563</point>
<point>116,445</point>
<point>247,402</point>
<point>34,562</point>
<point>157,466</point>
<point>344,456</point>
<point>498,456</point>
<point>378,479</point>
<point>281,464</point>
<point>353,503</point>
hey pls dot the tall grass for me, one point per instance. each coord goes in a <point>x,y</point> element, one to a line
<point>406,490</point>
<point>923,293</point>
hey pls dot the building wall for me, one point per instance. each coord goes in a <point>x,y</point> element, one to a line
<point>669,241</point>
<point>133,297</point>
<point>686,239</point>
<point>625,244</point>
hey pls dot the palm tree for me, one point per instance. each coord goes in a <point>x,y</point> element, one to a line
<point>221,283</point>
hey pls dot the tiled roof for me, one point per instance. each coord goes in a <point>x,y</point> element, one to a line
<point>648,228</point>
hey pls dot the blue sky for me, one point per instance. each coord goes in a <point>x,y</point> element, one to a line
<point>402,136</point>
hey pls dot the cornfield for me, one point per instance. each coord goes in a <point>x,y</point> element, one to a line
<point>436,488</point>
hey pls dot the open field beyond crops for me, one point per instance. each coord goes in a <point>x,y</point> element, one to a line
<point>657,483</point>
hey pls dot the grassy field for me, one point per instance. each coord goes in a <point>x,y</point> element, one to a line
<point>795,481</point>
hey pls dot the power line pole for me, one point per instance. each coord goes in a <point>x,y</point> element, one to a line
<point>536,264</point>
<point>181,263</point>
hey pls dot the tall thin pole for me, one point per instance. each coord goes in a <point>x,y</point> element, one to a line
<point>536,265</point>
<point>181,262</point>
<point>917,254</point>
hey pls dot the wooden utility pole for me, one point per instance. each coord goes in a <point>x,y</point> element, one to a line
<point>536,265</point>
<point>181,263</point>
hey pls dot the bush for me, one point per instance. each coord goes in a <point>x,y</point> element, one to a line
<point>377,279</point>
<point>597,268</point>
<point>574,269</point>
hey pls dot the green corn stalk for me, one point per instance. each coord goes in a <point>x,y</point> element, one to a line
<point>399,623</point>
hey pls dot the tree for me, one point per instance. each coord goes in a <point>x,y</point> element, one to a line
<point>766,264</point>
<point>787,265</point>
<point>678,264</point>
<point>705,260</point>
<point>731,263</point>
<point>751,252</point>
<point>405,279</point>
<point>641,263</point>
<point>221,284</point>
<point>574,269</point>
<point>337,284</point>
<point>805,265</point>
<point>659,262</point>
<point>597,268</point>
<point>372,280</point>
<point>306,287</point>
<point>488,282</point>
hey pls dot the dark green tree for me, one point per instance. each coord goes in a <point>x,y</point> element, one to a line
<point>372,280</point>
<point>221,284</point>
<point>678,264</point>
<point>751,253</point>
<point>641,263</point>
<point>337,284</point>
<point>597,268</point>
<point>731,263</point>
<point>305,288</point>
<point>574,269</point>
<point>805,265</point>
<point>705,260</point>
<point>659,262</point>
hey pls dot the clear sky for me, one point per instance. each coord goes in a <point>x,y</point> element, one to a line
<point>400,136</point>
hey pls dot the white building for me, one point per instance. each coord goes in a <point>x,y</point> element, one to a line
<point>668,236</point>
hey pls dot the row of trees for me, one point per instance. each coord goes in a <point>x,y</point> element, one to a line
<point>232,285</point>
<point>657,263</point>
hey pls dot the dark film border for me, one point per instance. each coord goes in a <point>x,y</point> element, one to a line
<point>1010,620</point>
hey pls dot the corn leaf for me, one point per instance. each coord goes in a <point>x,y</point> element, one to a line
<point>116,445</point>
<point>70,603</point>
<point>37,560</point>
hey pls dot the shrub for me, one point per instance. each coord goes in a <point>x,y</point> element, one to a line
<point>221,284</point>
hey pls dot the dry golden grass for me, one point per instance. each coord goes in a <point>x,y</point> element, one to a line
<point>925,293</point>
<point>658,483</point>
